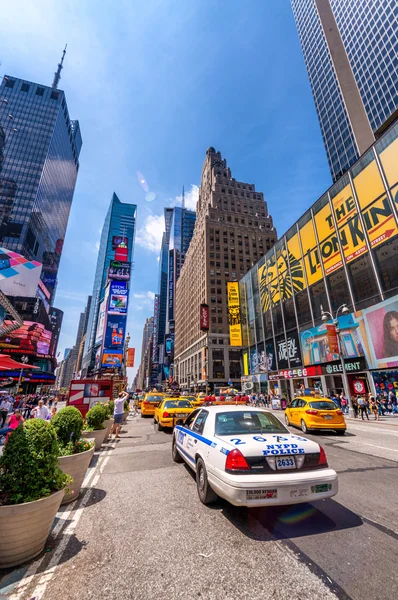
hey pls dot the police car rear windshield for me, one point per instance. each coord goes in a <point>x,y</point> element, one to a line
<point>241,421</point>
<point>177,404</point>
<point>322,405</point>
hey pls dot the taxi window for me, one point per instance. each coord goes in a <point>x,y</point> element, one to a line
<point>323,405</point>
<point>153,398</point>
<point>301,403</point>
<point>199,424</point>
<point>241,422</point>
<point>191,418</point>
<point>293,404</point>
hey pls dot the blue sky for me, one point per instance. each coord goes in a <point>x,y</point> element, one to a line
<point>153,84</point>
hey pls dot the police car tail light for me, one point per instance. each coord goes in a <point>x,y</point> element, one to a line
<point>322,461</point>
<point>166,415</point>
<point>235,461</point>
<point>311,411</point>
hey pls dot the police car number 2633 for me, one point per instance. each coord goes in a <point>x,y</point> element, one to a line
<point>248,457</point>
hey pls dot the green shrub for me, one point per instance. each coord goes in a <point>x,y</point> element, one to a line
<point>75,448</point>
<point>29,464</point>
<point>68,424</point>
<point>95,417</point>
<point>109,410</point>
<point>126,405</point>
<point>111,407</point>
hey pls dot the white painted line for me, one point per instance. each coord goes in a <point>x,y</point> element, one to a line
<point>374,430</point>
<point>49,573</point>
<point>381,447</point>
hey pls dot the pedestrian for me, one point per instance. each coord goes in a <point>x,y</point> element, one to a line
<point>118,414</point>
<point>362,407</point>
<point>374,408</point>
<point>343,403</point>
<point>52,413</point>
<point>40,411</point>
<point>5,406</point>
<point>355,407</point>
<point>14,420</point>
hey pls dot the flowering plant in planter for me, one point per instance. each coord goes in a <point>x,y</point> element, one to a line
<point>29,465</point>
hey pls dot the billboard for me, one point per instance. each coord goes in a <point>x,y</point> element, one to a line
<point>130,357</point>
<point>378,329</point>
<point>55,317</point>
<point>204,317</point>
<point>119,270</point>
<point>114,332</point>
<point>31,338</point>
<point>119,239</point>
<point>235,327</point>
<point>315,345</point>
<point>101,322</point>
<point>288,351</point>
<point>171,286</point>
<point>112,358</point>
<point>18,275</point>
<point>169,344</point>
<point>155,329</point>
<point>118,298</point>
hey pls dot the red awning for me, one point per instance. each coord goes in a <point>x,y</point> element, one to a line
<point>7,363</point>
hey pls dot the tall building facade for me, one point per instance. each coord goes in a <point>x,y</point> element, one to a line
<point>233,229</point>
<point>39,163</point>
<point>119,226</point>
<point>351,53</point>
<point>70,367</point>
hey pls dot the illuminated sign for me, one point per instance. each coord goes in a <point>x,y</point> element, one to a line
<point>171,285</point>
<point>130,357</point>
<point>114,332</point>
<point>235,328</point>
<point>119,239</point>
<point>204,317</point>
<point>30,338</point>
<point>155,330</point>
<point>112,358</point>
<point>119,270</point>
<point>118,298</point>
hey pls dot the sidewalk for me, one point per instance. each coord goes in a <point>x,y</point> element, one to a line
<point>386,420</point>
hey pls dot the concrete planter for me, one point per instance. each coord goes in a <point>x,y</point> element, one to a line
<point>98,435</point>
<point>25,528</point>
<point>108,426</point>
<point>76,466</point>
<point>125,415</point>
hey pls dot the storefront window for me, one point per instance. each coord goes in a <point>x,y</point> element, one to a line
<point>267,317</point>
<point>338,290</point>
<point>258,317</point>
<point>363,282</point>
<point>277,318</point>
<point>386,263</point>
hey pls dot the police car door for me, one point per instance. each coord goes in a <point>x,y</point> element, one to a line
<point>198,444</point>
<point>183,438</point>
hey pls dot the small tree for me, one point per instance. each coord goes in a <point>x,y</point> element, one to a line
<point>29,464</point>
<point>96,416</point>
<point>68,424</point>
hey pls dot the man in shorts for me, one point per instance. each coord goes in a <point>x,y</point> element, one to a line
<point>118,413</point>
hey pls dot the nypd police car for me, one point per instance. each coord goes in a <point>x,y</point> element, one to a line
<point>248,457</point>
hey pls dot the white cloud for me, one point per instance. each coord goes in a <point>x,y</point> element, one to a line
<point>143,300</point>
<point>149,236</point>
<point>190,197</point>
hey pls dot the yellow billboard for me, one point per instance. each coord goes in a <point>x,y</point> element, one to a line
<point>310,253</point>
<point>296,264</point>
<point>389,160</point>
<point>235,327</point>
<point>368,184</point>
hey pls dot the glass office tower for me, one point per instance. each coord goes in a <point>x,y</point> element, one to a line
<point>351,54</point>
<point>39,163</point>
<point>120,222</point>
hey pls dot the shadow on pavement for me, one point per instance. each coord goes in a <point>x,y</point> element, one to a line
<point>97,495</point>
<point>299,520</point>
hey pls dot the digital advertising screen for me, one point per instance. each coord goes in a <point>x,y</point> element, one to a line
<point>119,239</point>
<point>112,358</point>
<point>118,298</point>
<point>31,338</point>
<point>119,270</point>
<point>114,332</point>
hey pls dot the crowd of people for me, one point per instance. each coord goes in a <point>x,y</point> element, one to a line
<point>16,409</point>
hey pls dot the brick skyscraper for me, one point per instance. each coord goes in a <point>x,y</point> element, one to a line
<point>233,230</point>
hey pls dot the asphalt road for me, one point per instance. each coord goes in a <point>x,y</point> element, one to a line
<point>144,534</point>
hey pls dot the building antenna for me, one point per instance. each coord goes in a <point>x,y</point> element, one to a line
<point>183,197</point>
<point>57,75</point>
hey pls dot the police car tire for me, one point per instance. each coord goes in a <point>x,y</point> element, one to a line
<point>174,452</point>
<point>205,493</point>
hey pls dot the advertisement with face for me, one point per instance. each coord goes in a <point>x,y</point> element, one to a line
<point>378,327</point>
<point>315,346</point>
<point>112,358</point>
<point>119,270</point>
<point>31,338</point>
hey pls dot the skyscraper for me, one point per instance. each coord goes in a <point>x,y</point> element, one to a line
<point>233,229</point>
<point>351,53</point>
<point>39,163</point>
<point>118,230</point>
<point>69,370</point>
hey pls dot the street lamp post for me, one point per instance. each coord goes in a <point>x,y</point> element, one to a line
<point>24,360</point>
<point>325,317</point>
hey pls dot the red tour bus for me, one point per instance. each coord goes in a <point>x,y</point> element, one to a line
<point>84,393</point>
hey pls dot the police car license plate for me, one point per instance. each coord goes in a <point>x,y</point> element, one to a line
<point>261,494</point>
<point>285,463</point>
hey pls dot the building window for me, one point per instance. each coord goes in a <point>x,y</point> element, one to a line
<point>25,87</point>
<point>54,95</point>
<point>10,83</point>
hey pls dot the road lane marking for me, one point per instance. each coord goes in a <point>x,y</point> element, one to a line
<point>374,446</point>
<point>89,482</point>
<point>375,430</point>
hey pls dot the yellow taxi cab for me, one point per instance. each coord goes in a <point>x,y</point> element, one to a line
<point>150,402</point>
<point>172,411</point>
<point>313,413</point>
<point>198,400</point>
<point>140,400</point>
